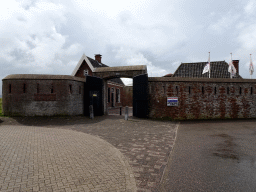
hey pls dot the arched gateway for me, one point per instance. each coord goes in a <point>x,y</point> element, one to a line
<point>140,84</point>
<point>100,78</point>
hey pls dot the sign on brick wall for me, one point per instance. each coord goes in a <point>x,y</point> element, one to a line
<point>172,101</point>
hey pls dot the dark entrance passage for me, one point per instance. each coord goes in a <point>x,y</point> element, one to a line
<point>93,95</point>
<point>140,96</point>
<point>112,100</point>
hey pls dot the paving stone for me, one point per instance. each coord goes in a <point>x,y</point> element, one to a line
<point>150,141</point>
<point>129,137</point>
<point>50,151</point>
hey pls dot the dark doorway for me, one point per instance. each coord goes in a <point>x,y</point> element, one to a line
<point>93,95</point>
<point>108,95</point>
<point>112,99</point>
<point>140,96</point>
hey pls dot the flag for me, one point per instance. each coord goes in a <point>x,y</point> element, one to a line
<point>231,68</point>
<point>207,66</point>
<point>251,68</point>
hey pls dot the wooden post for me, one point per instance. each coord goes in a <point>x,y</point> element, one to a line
<point>126,113</point>
<point>91,112</point>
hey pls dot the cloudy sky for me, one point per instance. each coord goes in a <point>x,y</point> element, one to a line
<point>50,36</point>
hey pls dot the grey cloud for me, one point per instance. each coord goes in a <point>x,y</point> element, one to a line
<point>162,35</point>
<point>124,17</point>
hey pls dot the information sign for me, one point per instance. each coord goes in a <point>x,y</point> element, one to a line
<point>172,101</point>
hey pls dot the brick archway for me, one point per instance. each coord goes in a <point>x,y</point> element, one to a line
<point>123,71</point>
<point>107,73</point>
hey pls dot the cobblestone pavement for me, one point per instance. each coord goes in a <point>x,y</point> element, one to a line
<point>50,159</point>
<point>145,143</point>
<point>116,111</point>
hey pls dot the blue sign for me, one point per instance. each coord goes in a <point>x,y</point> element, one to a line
<point>172,101</point>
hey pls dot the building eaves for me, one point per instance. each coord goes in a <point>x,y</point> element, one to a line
<point>121,68</point>
<point>80,62</point>
<point>210,80</point>
<point>117,80</point>
<point>43,77</point>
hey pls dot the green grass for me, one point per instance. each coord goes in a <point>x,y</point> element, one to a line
<point>1,107</point>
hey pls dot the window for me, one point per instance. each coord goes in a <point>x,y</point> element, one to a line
<point>24,88</point>
<point>79,89</point>
<point>240,91</point>
<point>227,90</point>
<point>215,90</point>
<point>70,89</point>
<point>118,95</point>
<point>202,90</point>
<point>189,91</point>
<point>177,90</point>
<point>251,90</point>
<point>164,90</point>
<point>108,95</point>
<point>37,88</point>
<point>86,72</point>
<point>10,88</point>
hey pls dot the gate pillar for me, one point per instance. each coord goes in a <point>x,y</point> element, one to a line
<point>105,97</point>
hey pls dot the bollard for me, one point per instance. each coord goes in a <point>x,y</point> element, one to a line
<point>91,112</point>
<point>120,110</point>
<point>126,113</point>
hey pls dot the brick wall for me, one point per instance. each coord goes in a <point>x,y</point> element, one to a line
<point>42,97</point>
<point>128,96</point>
<point>80,72</point>
<point>202,98</point>
<point>115,87</point>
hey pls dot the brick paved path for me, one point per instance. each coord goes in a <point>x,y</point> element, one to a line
<point>146,144</point>
<point>116,111</point>
<point>50,159</point>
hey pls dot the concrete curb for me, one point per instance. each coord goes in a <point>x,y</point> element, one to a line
<point>129,176</point>
<point>176,132</point>
<point>130,180</point>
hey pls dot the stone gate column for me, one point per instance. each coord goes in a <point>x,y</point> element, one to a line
<point>105,96</point>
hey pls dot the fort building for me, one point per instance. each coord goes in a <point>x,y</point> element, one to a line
<point>185,94</point>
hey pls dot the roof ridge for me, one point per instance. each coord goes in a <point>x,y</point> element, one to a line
<point>219,69</point>
<point>204,62</point>
<point>80,62</point>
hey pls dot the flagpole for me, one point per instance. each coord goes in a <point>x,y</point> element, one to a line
<point>231,67</point>
<point>209,67</point>
<point>250,66</point>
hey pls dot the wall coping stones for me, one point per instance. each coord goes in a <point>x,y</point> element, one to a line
<point>121,68</point>
<point>210,80</point>
<point>44,77</point>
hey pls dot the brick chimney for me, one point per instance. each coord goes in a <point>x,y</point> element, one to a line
<point>98,57</point>
<point>236,65</point>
